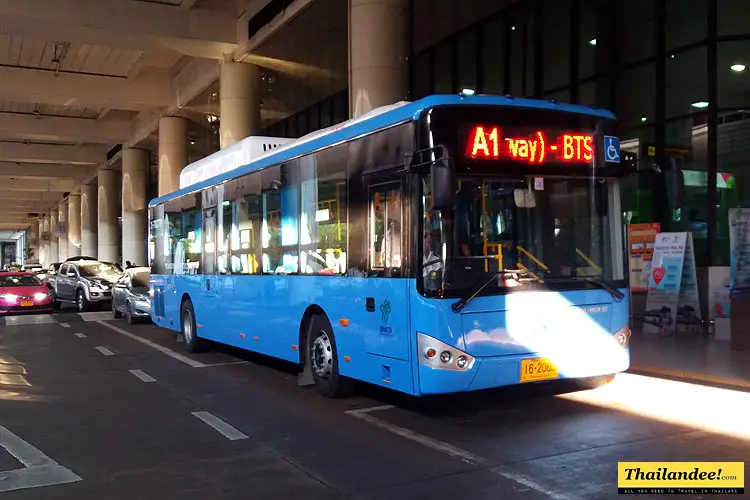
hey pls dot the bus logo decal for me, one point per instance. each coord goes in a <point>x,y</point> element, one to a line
<point>385,310</point>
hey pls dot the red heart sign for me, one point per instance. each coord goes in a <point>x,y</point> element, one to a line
<point>658,273</point>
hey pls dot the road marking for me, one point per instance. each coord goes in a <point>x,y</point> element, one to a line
<point>104,350</point>
<point>364,414</point>
<point>64,325</point>
<point>33,319</point>
<point>219,425</point>
<point>95,316</point>
<point>228,363</point>
<point>143,375</point>
<point>39,469</point>
<point>162,349</point>
<point>80,335</point>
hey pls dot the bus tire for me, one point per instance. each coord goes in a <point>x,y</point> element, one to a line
<point>323,358</point>
<point>189,330</point>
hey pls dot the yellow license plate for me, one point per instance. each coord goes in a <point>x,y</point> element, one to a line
<point>27,303</point>
<point>536,369</point>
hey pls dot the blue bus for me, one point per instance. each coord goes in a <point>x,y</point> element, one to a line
<point>454,243</point>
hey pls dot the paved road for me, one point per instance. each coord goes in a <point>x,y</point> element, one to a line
<point>93,409</point>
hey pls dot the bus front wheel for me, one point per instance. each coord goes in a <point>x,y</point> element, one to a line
<point>323,358</point>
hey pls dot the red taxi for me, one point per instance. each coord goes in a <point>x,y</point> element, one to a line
<point>23,292</point>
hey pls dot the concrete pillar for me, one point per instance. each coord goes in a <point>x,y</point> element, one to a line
<point>62,241</point>
<point>43,241</point>
<point>107,224</point>
<point>134,216</point>
<point>173,154</point>
<point>239,94</point>
<point>33,244</point>
<point>74,225</point>
<point>53,255</point>
<point>89,220</point>
<point>378,52</point>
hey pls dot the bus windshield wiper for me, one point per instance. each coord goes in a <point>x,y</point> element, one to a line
<point>458,305</point>
<point>617,294</point>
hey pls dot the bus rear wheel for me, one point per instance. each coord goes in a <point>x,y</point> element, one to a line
<point>189,331</point>
<point>323,358</point>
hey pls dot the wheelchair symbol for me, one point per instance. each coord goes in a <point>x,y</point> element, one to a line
<point>611,149</point>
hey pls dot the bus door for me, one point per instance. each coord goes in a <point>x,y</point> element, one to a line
<point>386,292</point>
<point>209,289</point>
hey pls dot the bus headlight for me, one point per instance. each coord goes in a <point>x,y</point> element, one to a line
<point>622,336</point>
<point>439,355</point>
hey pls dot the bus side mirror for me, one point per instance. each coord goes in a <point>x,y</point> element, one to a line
<point>443,185</point>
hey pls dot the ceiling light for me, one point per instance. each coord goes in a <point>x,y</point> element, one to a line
<point>643,118</point>
<point>592,41</point>
<point>738,68</point>
<point>700,104</point>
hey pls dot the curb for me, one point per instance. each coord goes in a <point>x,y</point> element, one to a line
<point>736,383</point>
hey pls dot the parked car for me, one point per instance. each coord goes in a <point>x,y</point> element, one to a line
<point>130,295</point>
<point>22,292</point>
<point>86,283</point>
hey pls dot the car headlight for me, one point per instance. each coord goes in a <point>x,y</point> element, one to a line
<point>9,297</point>
<point>41,295</point>
<point>437,354</point>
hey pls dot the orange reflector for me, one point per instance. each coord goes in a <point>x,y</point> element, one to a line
<point>255,338</point>
<point>431,353</point>
<point>199,326</point>
<point>242,335</point>
<point>344,322</point>
<point>347,358</point>
<point>294,348</point>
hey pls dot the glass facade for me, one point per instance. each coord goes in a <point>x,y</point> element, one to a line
<point>671,70</point>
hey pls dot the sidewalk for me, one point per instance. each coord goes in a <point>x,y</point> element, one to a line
<point>691,358</point>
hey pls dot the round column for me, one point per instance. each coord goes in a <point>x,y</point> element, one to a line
<point>53,253</point>
<point>108,201</point>
<point>44,241</point>
<point>378,52</point>
<point>173,152</point>
<point>62,240</point>
<point>89,220</point>
<point>134,217</point>
<point>239,94</point>
<point>74,225</point>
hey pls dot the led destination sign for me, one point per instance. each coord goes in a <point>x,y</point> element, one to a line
<point>491,143</point>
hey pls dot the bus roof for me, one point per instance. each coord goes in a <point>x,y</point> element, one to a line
<point>399,114</point>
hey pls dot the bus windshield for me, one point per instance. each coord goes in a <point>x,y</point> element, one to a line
<point>561,232</point>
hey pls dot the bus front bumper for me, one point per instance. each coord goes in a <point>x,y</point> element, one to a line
<point>498,371</point>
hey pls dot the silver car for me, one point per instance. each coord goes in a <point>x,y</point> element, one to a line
<point>85,283</point>
<point>130,295</point>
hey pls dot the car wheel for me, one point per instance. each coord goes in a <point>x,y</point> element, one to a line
<point>81,301</point>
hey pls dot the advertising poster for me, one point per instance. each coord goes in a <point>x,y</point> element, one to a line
<point>739,248</point>
<point>641,239</point>
<point>665,279</point>
<point>688,305</point>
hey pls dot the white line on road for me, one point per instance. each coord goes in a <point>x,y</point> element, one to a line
<point>448,449</point>
<point>165,350</point>
<point>228,363</point>
<point>80,335</point>
<point>143,375</point>
<point>219,425</point>
<point>39,470</point>
<point>104,350</point>
<point>64,325</point>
